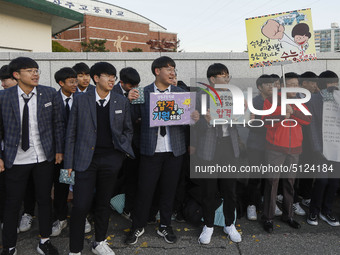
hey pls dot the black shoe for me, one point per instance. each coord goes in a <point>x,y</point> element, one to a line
<point>179,217</point>
<point>133,235</point>
<point>152,221</point>
<point>7,252</point>
<point>47,249</point>
<point>292,223</point>
<point>167,233</point>
<point>268,226</point>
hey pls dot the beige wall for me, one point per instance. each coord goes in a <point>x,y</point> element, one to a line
<point>24,29</point>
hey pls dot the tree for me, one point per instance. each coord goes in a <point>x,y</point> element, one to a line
<point>135,50</point>
<point>57,47</point>
<point>164,45</point>
<point>94,46</point>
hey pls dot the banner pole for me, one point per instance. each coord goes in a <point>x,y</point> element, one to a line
<point>283,75</point>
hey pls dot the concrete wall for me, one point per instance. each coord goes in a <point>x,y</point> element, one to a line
<point>29,30</point>
<point>189,65</point>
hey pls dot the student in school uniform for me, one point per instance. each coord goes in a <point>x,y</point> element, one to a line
<point>98,138</point>
<point>67,80</point>
<point>32,132</point>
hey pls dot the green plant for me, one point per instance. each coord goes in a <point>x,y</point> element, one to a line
<point>94,46</point>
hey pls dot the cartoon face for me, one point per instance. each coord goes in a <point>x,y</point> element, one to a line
<point>301,39</point>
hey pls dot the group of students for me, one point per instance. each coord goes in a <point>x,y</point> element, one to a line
<point>96,132</point>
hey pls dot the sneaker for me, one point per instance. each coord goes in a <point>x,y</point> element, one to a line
<point>88,227</point>
<point>102,249</point>
<point>205,236</point>
<point>126,215</point>
<point>179,217</point>
<point>72,253</point>
<point>279,198</point>
<point>167,233</point>
<point>25,222</point>
<point>329,218</point>
<point>251,212</point>
<point>268,226</point>
<point>9,252</point>
<point>58,226</point>
<point>278,212</point>
<point>233,234</point>
<point>133,235</point>
<point>312,219</point>
<point>306,202</point>
<point>298,210</point>
<point>47,248</point>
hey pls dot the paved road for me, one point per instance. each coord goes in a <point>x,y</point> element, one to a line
<point>322,239</point>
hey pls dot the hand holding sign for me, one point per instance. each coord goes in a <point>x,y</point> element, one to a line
<point>273,30</point>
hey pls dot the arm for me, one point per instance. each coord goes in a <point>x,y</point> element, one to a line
<point>59,130</point>
<point>71,135</point>
<point>126,138</point>
<point>300,117</point>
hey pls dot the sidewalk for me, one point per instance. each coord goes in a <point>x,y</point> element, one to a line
<point>321,239</point>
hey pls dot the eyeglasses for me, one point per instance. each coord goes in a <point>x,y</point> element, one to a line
<point>109,76</point>
<point>31,71</point>
<point>225,77</point>
<point>170,69</point>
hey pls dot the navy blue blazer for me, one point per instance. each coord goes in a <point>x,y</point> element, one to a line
<point>50,123</point>
<point>81,131</point>
<point>89,88</point>
<point>149,135</point>
<point>117,89</point>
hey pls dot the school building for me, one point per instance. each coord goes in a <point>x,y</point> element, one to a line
<point>123,29</point>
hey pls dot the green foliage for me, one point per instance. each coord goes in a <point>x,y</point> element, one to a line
<point>135,50</point>
<point>57,47</point>
<point>94,46</point>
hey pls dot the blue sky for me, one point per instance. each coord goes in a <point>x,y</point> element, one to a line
<point>219,25</point>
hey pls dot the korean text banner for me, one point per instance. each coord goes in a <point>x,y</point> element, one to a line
<point>281,37</point>
<point>168,109</point>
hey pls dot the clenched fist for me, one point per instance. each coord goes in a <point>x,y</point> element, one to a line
<point>273,30</point>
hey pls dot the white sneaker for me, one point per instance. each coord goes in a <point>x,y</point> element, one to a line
<point>206,234</point>
<point>279,198</point>
<point>306,202</point>
<point>88,227</point>
<point>232,233</point>
<point>298,210</point>
<point>25,222</point>
<point>278,212</point>
<point>72,253</point>
<point>58,226</point>
<point>103,249</point>
<point>251,212</point>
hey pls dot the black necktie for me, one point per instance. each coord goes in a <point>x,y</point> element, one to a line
<point>25,138</point>
<point>101,101</point>
<point>67,108</point>
<point>126,94</point>
<point>163,129</point>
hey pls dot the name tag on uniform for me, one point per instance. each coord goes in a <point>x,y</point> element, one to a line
<point>48,104</point>
<point>118,111</point>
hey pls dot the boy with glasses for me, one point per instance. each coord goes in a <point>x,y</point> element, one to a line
<point>32,131</point>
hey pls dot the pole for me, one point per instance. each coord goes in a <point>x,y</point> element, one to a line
<point>283,75</point>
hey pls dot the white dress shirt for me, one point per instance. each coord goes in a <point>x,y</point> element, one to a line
<point>107,99</point>
<point>70,102</point>
<point>163,142</point>
<point>35,153</point>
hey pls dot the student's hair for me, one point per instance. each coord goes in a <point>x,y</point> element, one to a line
<point>275,77</point>
<point>301,29</point>
<point>21,63</point>
<point>129,75</point>
<point>64,73</point>
<point>4,73</point>
<point>308,76</point>
<point>291,75</point>
<point>102,68</point>
<point>264,78</point>
<point>327,77</point>
<point>160,62</point>
<point>216,69</point>
<point>81,68</point>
